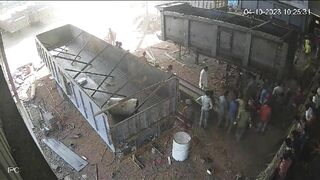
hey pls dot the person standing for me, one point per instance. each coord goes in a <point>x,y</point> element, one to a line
<point>232,114</point>
<point>203,80</point>
<point>223,108</point>
<point>111,37</point>
<point>205,108</point>
<point>243,121</point>
<point>188,113</point>
<point>264,116</point>
<point>241,103</point>
<point>143,57</point>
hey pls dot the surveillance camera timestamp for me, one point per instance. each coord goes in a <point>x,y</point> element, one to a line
<point>273,12</point>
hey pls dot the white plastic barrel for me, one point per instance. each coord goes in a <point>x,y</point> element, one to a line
<point>180,147</point>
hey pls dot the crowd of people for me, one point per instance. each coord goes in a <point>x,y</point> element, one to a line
<point>306,125</point>
<point>253,106</point>
<point>256,104</point>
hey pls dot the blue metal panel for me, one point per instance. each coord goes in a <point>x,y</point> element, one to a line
<point>80,99</point>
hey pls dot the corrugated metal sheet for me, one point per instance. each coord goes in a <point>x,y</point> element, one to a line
<point>66,154</point>
<point>203,4</point>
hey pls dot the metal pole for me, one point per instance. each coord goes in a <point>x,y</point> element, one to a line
<point>110,73</point>
<point>91,61</point>
<point>7,69</point>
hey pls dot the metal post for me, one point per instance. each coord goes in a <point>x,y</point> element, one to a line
<point>7,69</point>
<point>197,58</point>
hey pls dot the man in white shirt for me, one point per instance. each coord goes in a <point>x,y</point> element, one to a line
<point>278,89</point>
<point>205,108</point>
<point>203,81</point>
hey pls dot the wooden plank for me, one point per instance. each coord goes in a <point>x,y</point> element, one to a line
<point>66,154</point>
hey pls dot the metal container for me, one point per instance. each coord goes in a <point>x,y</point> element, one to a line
<point>255,45</point>
<point>180,147</point>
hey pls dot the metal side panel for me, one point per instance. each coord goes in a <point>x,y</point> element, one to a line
<point>66,154</point>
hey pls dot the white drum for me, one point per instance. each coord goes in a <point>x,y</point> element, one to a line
<point>180,147</point>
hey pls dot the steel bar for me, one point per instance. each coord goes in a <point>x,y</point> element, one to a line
<point>84,46</point>
<point>260,25</point>
<point>129,97</point>
<point>86,72</point>
<point>64,52</point>
<point>114,93</point>
<point>102,91</point>
<point>91,61</point>
<point>122,58</point>
<point>69,59</point>
<point>73,39</point>
<point>148,97</point>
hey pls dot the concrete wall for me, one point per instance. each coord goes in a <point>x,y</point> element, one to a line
<point>262,49</point>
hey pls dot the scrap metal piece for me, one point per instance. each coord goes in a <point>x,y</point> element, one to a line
<point>137,161</point>
<point>66,154</point>
<point>157,148</point>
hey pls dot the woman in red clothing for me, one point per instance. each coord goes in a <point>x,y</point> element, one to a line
<point>264,116</point>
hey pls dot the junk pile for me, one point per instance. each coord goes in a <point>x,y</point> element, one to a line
<point>24,79</point>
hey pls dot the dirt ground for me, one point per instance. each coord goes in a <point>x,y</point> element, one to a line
<point>227,156</point>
